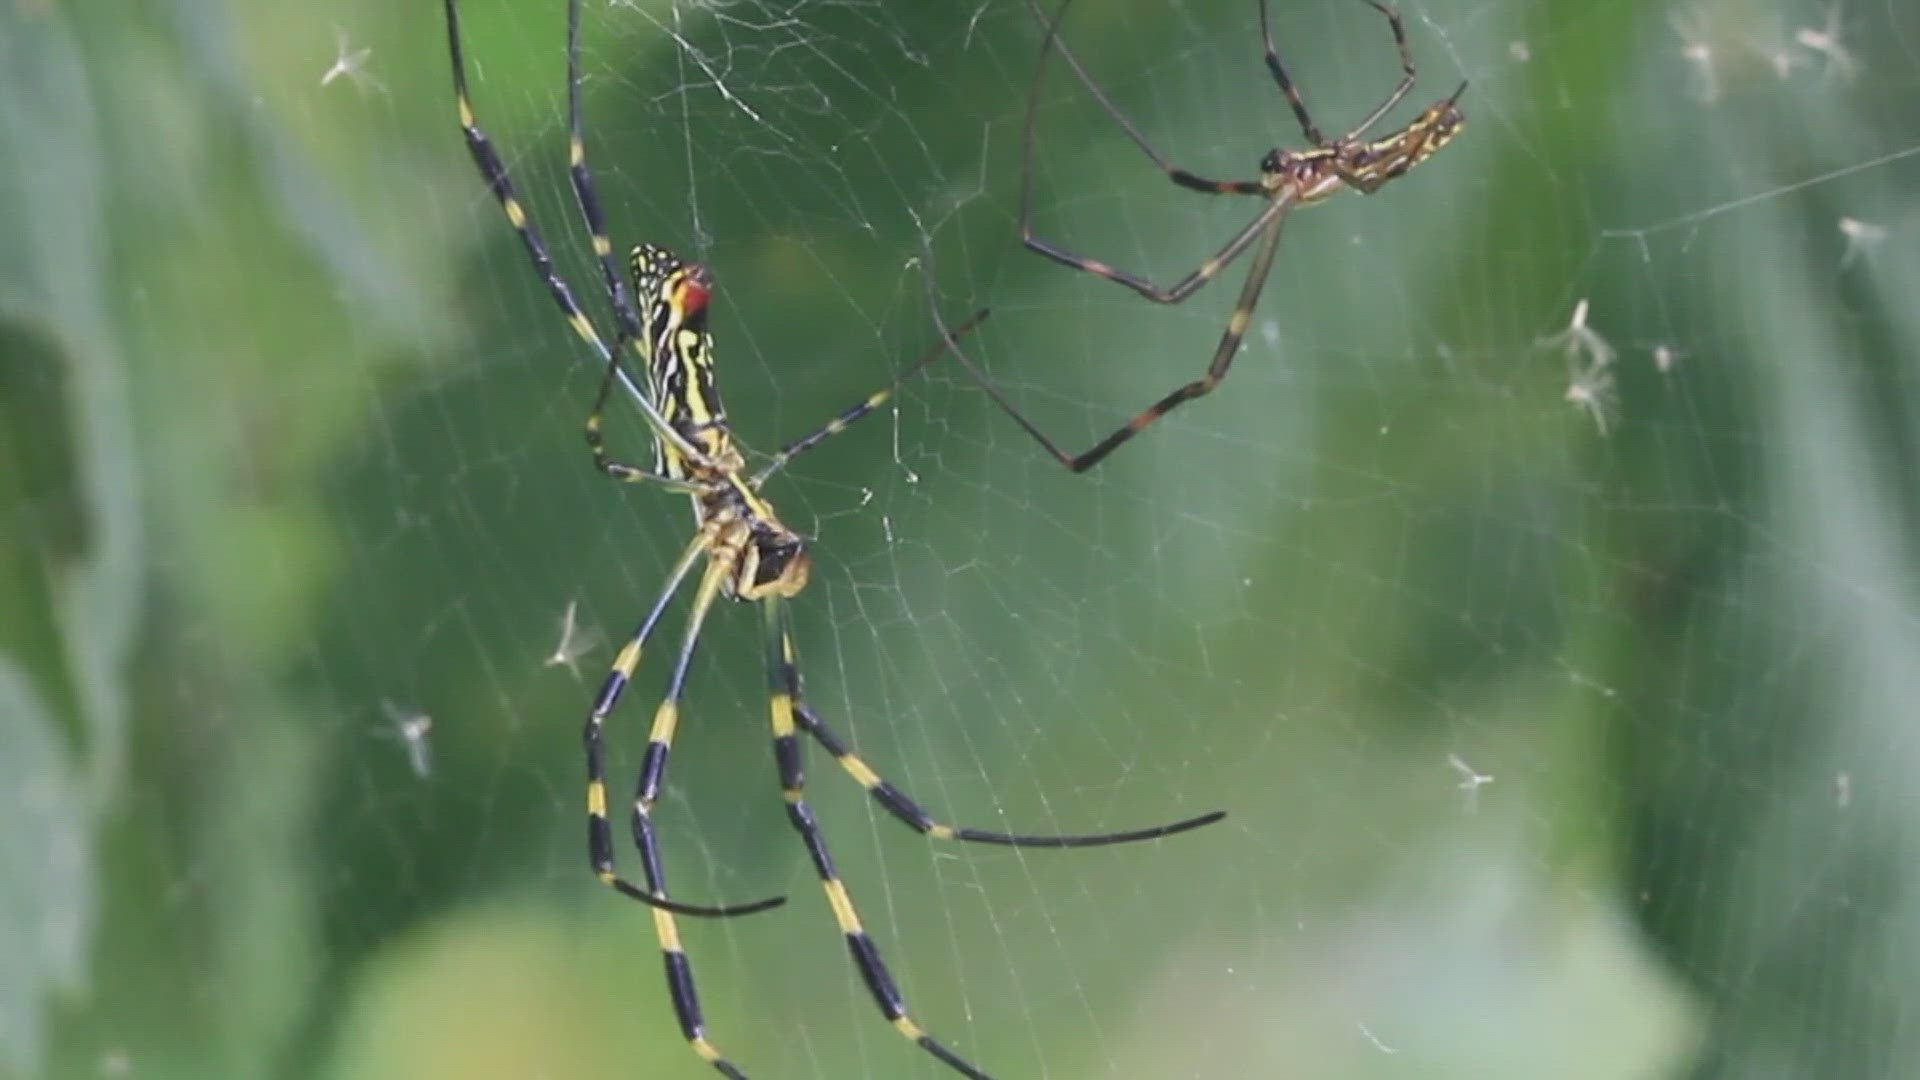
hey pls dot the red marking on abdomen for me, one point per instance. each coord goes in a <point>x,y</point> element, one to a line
<point>693,291</point>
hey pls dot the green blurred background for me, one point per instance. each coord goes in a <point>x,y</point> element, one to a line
<point>1551,749</point>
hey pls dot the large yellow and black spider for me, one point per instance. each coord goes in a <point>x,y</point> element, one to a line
<point>1288,178</point>
<point>749,554</point>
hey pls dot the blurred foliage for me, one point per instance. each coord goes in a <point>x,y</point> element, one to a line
<point>1549,750</point>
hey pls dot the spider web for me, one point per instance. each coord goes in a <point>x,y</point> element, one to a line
<point>1536,594</point>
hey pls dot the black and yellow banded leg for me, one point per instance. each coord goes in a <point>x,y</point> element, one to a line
<point>487,160</point>
<point>902,806</point>
<point>620,470</point>
<point>624,315</point>
<point>495,171</point>
<point>782,688</point>
<point>599,832</point>
<point>586,195</point>
<point>860,410</point>
<point>653,767</point>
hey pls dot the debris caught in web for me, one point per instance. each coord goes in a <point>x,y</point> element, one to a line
<point>1825,40</point>
<point>1698,52</point>
<point>574,643</point>
<point>1589,368</point>
<point>1471,781</point>
<point>412,728</point>
<point>1862,238</point>
<point>351,63</point>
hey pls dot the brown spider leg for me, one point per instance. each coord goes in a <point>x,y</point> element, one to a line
<point>1265,224</point>
<point>1266,228</point>
<point>1048,45</point>
<point>1307,126</point>
<point>1207,270</point>
<point>902,806</point>
<point>783,684</point>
